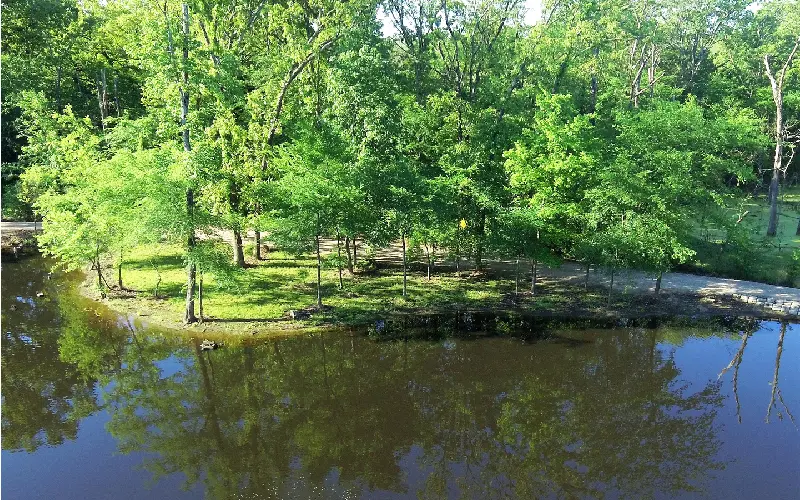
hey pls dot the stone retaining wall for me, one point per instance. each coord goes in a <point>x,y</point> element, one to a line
<point>782,306</point>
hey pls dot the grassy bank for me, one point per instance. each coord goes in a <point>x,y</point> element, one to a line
<point>260,296</point>
<point>753,256</point>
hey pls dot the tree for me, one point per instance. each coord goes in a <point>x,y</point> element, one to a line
<point>314,192</point>
<point>789,28</point>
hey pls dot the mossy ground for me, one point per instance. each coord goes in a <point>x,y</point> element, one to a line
<point>266,290</point>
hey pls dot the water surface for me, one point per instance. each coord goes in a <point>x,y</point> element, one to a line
<point>94,406</point>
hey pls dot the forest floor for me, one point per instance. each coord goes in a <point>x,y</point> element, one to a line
<point>260,298</point>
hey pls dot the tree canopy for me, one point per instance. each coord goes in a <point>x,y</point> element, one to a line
<point>601,130</point>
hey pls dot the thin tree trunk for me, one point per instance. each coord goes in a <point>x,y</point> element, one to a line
<point>319,276</point>
<point>735,363</point>
<point>775,379</point>
<point>777,97</point>
<point>516,279</point>
<point>534,266</point>
<point>119,272</point>
<point>100,279</point>
<point>355,258</point>
<point>347,250</point>
<point>191,269</point>
<point>611,287</point>
<point>458,258</point>
<point>294,72</point>
<point>658,282</point>
<point>99,272</point>
<point>191,275</point>
<point>116,98</point>
<point>238,253</point>
<point>200,296</point>
<point>101,99</point>
<point>429,262</point>
<point>404,264</point>
<point>479,246</point>
<point>339,260</point>
<point>797,232</point>
<point>258,245</point>
<point>586,280</point>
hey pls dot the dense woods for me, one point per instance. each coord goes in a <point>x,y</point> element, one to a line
<point>605,131</point>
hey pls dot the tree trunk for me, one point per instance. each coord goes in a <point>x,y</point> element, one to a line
<point>319,276</point>
<point>534,266</point>
<point>479,243</point>
<point>339,260</point>
<point>586,279</point>
<point>101,96</point>
<point>404,264</point>
<point>349,257</point>
<point>429,262</point>
<point>516,279</point>
<point>238,253</point>
<point>200,296</point>
<point>355,258</point>
<point>772,228</point>
<point>775,379</point>
<point>119,274</point>
<point>610,287</point>
<point>658,282</point>
<point>116,98</point>
<point>191,269</point>
<point>97,265</point>
<point>458,258</point>
<point>797,232</point>
<point>777,97</point>
<point>258,245</point>
<point>191,275</point>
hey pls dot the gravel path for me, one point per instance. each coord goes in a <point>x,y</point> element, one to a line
<point>20,226</point>
<point>632,280</point>
<point>786,297</point>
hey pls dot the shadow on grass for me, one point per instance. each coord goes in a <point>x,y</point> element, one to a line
<point>245,320</point>
<point>160,261</point>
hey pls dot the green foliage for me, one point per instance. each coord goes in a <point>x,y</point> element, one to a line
<point>606,132</point>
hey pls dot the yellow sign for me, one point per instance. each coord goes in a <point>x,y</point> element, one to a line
<point>462,224</point>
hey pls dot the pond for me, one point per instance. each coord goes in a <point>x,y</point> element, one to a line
<point>94,406</point>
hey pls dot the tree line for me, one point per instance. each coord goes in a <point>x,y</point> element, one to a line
<point>605,131</point>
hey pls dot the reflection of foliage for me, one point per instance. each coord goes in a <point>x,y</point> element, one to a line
<point>43,397</point>
<point>91,342</point>
<point>577,414</point>
<point>630,426</point>
<point>275,419</point>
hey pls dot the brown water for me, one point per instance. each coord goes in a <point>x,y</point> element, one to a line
<point>93,407</point>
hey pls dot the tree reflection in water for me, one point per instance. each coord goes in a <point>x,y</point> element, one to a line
<point>43,397</point>
<point>338,414</point>
<point>776,396</point>
<point>583,413</point>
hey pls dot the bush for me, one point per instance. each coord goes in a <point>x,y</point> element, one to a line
<point>793,269</point>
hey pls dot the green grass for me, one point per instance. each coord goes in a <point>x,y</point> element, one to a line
<point>266,290</point>
<point>762,259</point>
